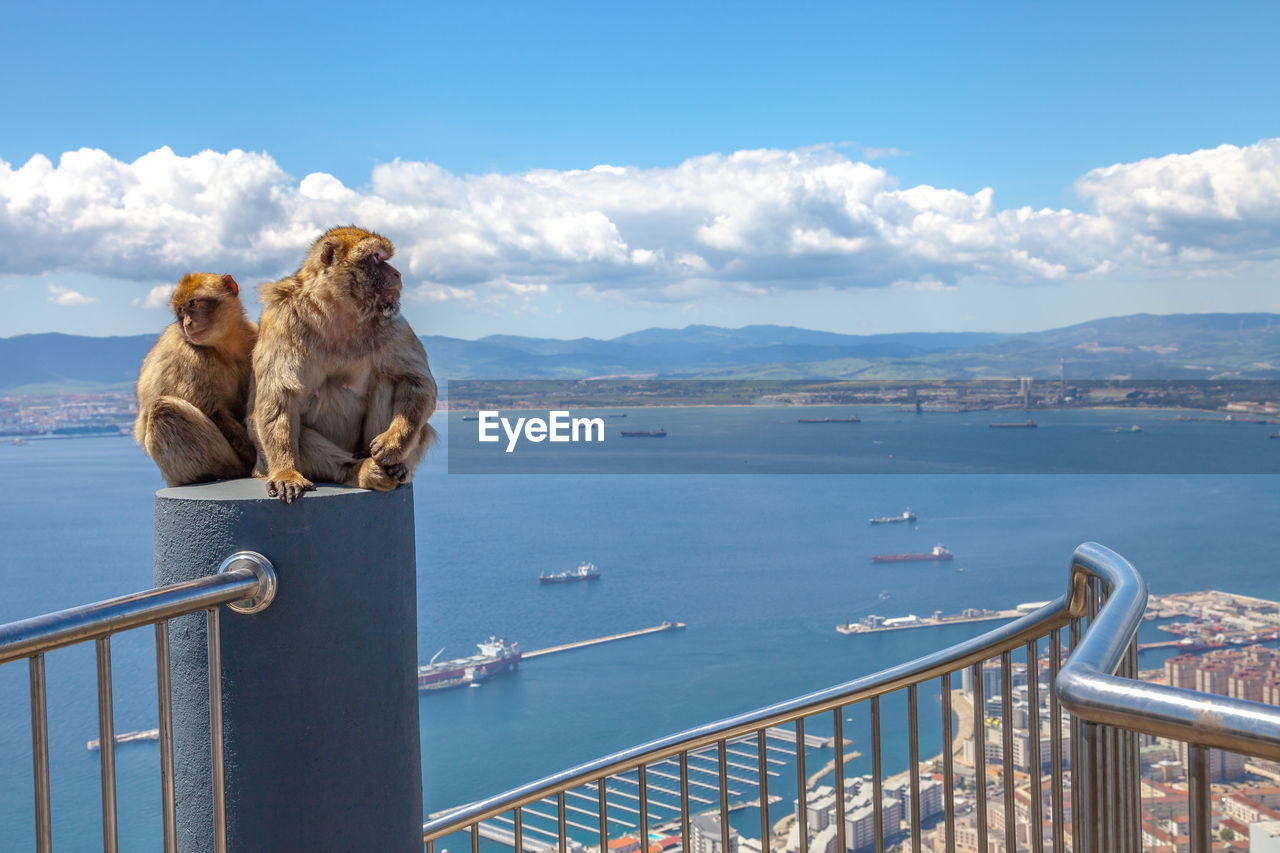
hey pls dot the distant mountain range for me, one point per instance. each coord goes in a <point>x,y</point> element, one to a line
<point>1145,346</point>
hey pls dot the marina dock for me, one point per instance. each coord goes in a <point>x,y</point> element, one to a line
<point>702,781</point>
<point>582,644</point>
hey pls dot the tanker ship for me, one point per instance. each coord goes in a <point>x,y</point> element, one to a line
<point>907,517</point>
<point>584,572</point>
<point>495,658</point>
<point>938,553</point>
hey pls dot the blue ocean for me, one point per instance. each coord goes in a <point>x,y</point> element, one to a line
<point>760,566</point>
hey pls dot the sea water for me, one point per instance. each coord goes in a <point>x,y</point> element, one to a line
<point>760,567</point>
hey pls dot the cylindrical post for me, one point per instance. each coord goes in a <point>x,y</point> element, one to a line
<point>319,700</point>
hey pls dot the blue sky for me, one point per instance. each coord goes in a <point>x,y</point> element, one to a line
<point>851,167</point>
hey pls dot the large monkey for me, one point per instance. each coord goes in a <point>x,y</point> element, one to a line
<point>194,384</point>
<point>342,387</point>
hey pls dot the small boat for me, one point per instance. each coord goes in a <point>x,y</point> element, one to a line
<point>906,518</point>
<point>884,594</point>
<point>644,433</point>
<point>1134,428</point>
<point>584,572</point>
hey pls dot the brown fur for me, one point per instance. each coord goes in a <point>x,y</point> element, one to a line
<point>194,384</point>
<point>342,390</point>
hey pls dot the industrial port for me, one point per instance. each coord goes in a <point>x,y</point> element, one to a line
<point>1213,619</point>
<point>497,656</point>
<point>872,624</point>
<point>1210,619</point>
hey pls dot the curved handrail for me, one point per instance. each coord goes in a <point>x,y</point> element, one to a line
<point>1088,688</point>
<point>1013,635</point>
<point>40,634</point>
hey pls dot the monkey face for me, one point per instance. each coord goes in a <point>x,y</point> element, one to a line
<point>197,301</point>
<point>197,318</point>
<point>384,283</point>
<point>356,261</point>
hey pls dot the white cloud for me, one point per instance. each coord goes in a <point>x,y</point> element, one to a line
<point>744,222</point>
<point>66,296</point>
<point>1213,207</point>
<point>441,293</point>
<point>157,297</point>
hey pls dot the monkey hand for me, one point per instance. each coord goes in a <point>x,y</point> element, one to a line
<point>388,449</point>
<point>287,485</point>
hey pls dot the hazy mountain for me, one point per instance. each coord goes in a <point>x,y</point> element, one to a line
<point>1139,346</point>
<point>767,336</point>
<point>69,363</point>
<point>1202,346</point>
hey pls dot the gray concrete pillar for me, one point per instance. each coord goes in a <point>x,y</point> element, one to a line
<point>319,691</point>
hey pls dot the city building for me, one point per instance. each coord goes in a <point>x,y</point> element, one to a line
<point>704,835</point>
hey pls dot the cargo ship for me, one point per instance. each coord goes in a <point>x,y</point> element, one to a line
<point>852,419</point>
<point>496,657</point>
<point>938,553</point>
<point>644,433</point>
<point>584,572</point>
<point>1027,424</point>
<point>906,518</point>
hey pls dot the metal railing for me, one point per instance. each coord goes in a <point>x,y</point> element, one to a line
<point>1083,686</point>
<point>1110,707</point>
<point>1075,657</point>
<point>245,581</point>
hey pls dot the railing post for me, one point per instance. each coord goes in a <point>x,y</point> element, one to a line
<point>1085,793</point>
<point>1198,799</point>
<point>319,703</point>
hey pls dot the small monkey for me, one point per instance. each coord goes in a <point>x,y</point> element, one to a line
<point>194,385</point>
<point>342,389</point>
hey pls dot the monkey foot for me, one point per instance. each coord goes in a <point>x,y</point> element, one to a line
<point>374,476</point>
<point>288,486</point>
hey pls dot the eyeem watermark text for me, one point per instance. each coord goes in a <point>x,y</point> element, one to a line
<point>559,426</point>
